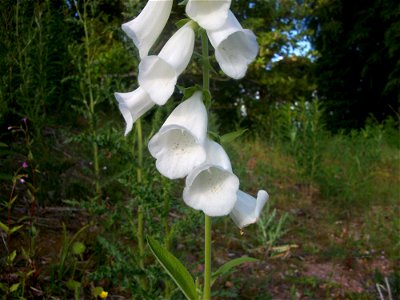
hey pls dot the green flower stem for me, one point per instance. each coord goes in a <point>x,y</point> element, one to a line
<point>206,61</point>
<point>140,214</point>
<point>207,234</point>
<point>207,259</point>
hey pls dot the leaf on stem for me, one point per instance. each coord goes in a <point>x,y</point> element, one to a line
<point>231,136</point>
<point>174,268</point>
<point>229,265</point>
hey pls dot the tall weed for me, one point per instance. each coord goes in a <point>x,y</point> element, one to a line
<point>300,130</point>
<point>358,167</point>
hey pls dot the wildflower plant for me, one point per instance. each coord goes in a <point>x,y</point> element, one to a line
<point>182,147</point>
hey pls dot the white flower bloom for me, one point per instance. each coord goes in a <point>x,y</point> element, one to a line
<point>147,26</point>
<point>247,209</point>
<point>209,14</point>
<point>133,105</point>
<point>178,146</point>
<point>158,74</point>
<point>212,187</point>
<point>235,47</point>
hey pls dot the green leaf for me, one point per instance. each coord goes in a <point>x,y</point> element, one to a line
<point>174,268</point>
<point>12,256</point>
<point>16,228</point>
<point>14,287</point>
<point>3,145</point>
<point>3,227</point>
<point>214,136</point>
<point>73,284</point>
<point>231,136</point>
<point>96,291</point>
<point>229,265</point>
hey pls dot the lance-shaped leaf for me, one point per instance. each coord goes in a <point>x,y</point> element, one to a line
<point>247,209</point>
<point>229,266</point>
<point>174,268</point>
<point>235,47</point>
<point>147,26</point>
<point>211,187</point>
<point>178,145</point>
<point>231,136</point>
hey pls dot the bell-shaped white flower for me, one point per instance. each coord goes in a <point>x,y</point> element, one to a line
<point>247,209</point>
<point>235,47</point>
<point>147,26</point>
<point>212,187</point>
<point>178,145</point>
<point>209,14</point>
<point>133,105</point>
<point>159,74</point>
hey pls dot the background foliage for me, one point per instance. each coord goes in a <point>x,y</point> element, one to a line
<point>322,105</point>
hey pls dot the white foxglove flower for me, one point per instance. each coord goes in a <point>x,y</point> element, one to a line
<point>212,187</point>
<point>235,47</point>
<point>178,146</point>
<point>209,14</point>
<point>158,74</point>
<point>133,105</point>
<point>147,26</point>
<point>247,209</point>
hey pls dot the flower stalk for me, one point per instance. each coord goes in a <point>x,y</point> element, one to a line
<point>139,177</point>
<point>207,219</point>
<point>207,258</point>
<point>206,61</point>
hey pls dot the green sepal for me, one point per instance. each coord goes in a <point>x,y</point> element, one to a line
<point>183,2</point>
<point>174,268</point>
<point>229,265</point>
<point>188,92</point>
<point>182,22</point>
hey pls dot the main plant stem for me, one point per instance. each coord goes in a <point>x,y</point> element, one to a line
<point>207,219</point>
<point>140,215</point>
<point>207,259</point>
